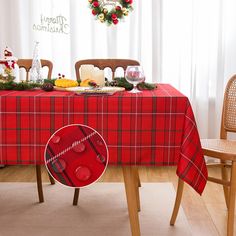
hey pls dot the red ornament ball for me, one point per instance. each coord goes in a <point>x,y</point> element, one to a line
<point>94,12</point>
<point>96,4</point>
<point>113,16</point>
<point>115,22</point>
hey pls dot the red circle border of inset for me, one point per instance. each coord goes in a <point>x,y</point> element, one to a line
<point>107,157</point>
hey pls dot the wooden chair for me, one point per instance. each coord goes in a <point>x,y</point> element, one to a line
<point>225,151</point>
<point>26,64</point>
<point>104,63</point>
<point>130,173</point>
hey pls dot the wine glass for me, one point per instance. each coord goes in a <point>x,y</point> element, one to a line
<point>134,75</point>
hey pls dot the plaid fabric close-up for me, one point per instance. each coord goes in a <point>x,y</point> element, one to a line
<point>76,156</point>
<point>152,128</point>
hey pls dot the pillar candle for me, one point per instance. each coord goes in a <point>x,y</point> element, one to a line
<point>86,71</point>
<point>98,77</point>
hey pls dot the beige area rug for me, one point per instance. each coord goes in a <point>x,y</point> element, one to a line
<point>102,210</point>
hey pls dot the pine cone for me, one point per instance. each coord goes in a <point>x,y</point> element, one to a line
<point>47,87</point>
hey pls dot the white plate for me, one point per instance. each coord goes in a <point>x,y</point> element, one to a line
<point>89,90</point>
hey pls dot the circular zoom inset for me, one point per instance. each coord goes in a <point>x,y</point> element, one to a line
<point>76,155</point>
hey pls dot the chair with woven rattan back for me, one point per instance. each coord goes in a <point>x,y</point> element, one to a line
<point>27,63</point>
<point>225,151</point>
<point>113,64</point>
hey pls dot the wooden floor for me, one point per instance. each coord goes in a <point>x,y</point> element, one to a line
<point>206,215</point>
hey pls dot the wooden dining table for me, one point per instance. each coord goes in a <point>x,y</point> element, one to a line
<point>152,128</point>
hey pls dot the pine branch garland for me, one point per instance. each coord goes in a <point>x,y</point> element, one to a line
<point>10,85</point>
<point>122,82</point>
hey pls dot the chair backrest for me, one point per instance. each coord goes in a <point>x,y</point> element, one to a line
<point>228,122</point>
<point>104,63</point>
<point>27,63</point>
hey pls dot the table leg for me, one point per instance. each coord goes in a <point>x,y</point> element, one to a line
<point>52,181</point>
<point>76,196</point>
<point>137,175</point>
<point>39,183</point>
<point>138,185</point>
<point>179,194</point>
<point>130,188</point>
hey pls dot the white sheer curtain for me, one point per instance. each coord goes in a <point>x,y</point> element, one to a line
<point>197,54</point>
<point>193,46</point>
<point>87,38</point>
<point>188,43</point>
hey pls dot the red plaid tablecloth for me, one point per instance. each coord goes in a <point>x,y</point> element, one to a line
<point>149,128</point>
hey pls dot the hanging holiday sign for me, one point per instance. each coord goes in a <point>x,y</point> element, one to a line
<point>52,24</point>
<point>110,11</point>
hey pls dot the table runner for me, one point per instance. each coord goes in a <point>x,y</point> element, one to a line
<point>149,128</point>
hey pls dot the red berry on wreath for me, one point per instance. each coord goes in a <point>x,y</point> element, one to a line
<point>115,21</point>
<point>118,8</point>
<point>94,12</point>
<point>113,16</point>
<point>96,4</point>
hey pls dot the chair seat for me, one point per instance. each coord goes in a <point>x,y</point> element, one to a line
<point>219,148</point>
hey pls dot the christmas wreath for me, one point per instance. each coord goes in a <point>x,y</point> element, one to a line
<point>110,11</point>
